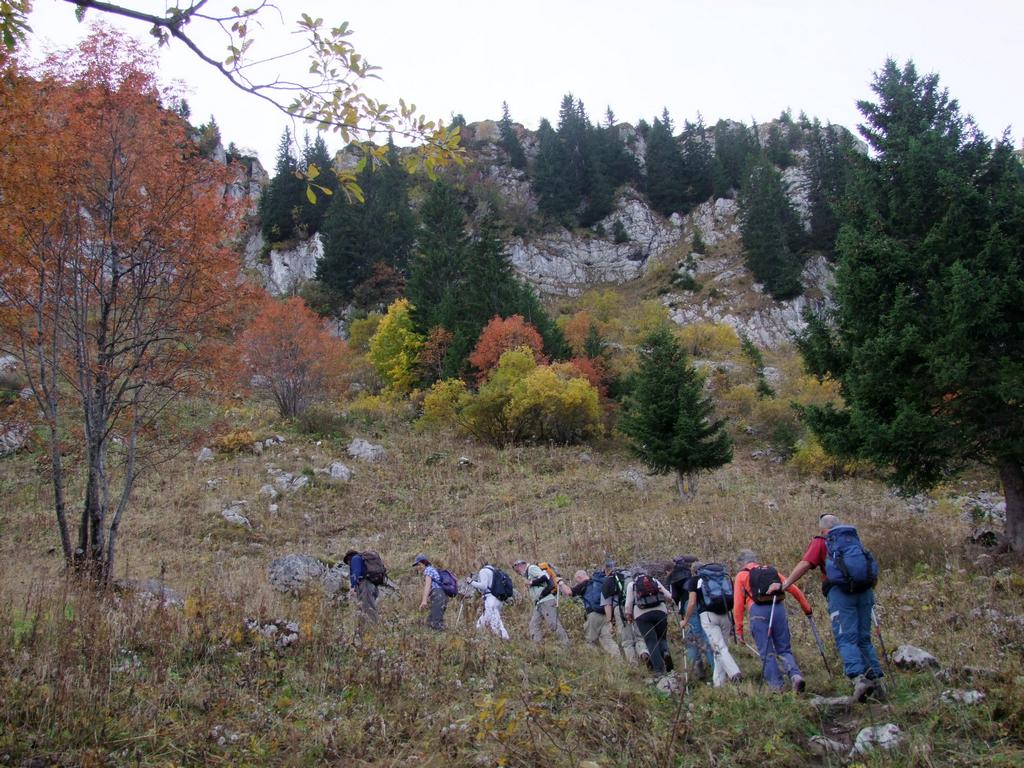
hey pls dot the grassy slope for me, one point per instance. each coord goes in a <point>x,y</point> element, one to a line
<point>401,692</point>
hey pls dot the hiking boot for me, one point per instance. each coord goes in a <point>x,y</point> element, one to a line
<point>798,684</point>
<point>737,678</point>
<point>862,686</point>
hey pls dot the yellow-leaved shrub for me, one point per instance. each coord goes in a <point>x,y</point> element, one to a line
<point>713,341</point>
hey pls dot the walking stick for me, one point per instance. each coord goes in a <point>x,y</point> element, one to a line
<point>881,642</point>
<point>771,618</point>
<point>821,646</point>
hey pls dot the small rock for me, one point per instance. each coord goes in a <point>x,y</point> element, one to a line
<point>339,471</point>
<point>205,454</point>
<point>885,736</point>
<point>826,702</point>
<point>771,507</point>
<point>366,451</point>
<point>269,491</point>
<point>257,448</point>
<point>963,697</point>
<point>273,509</point>
<point>150,591</point>
<point>213,483</point>
<point>283,633</point>
<point>985,564</point>
<point>233,514</point>
<point>635,478</point>
<point>585,458</point>
<point>912,657</point>
<point>465,462</point>
<point>822,746</point>
<point>668,683</point>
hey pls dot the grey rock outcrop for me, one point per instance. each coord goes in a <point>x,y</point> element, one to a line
<point>969,698</point>
<point>283,269</point>
<point>912,657</point>
<point>295,574</point>
<point>888,736</point>
<point>635,478</point>
<point>152,592</point>
<point>366,451</point>
<point>339,472</point>
<point>13,438</point>
<point>233,514</point>
<point>281,632</point>
<point>204,455</point>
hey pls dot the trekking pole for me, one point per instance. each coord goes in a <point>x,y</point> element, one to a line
<point>752,649</point>
<point>821,646</point>
<point>881,642</point>
<point>771,619</point>
<point>462,604</point>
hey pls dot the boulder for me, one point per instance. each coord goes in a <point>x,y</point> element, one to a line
<point>823,746</point>
<point>205,454</point>
<point>635,478</point>
<point>281,632</point>
<point>366,451</point>
<point>151,592</point>
<point>233,514</point>
<point>962,697</point>
<point>874,737</point>
<point>295,574</point>
<point>912,657</point>
<point>269,491</point>
<point>340,472</point>
<point>669,684</point>
<point>13,438</point>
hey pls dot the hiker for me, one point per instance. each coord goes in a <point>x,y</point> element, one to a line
<point>848,576</point>
<point>613,596</point>
<point>646,606</point>
<point>768,622</point>
<point>434,593</point>
<point>698,648</point>
<point>542,589</point>
<point>495,587</point>
<point>366,572</point>
<point>711,599</point>
<point>597,630</point>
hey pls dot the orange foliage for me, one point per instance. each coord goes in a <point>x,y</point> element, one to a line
<point>577,327</point>
<point>593,370</point>
<point>501,335</point>
<point>435,349</point>
<point>288,354</point>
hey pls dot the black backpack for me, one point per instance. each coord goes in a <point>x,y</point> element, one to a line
<point>762,577</point>
<point>678,578</point>
<point>501,584</point>
<point>376,573</point>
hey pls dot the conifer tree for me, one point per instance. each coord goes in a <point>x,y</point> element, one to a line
<point>828,169</point>
<point>695,171</point>
<point>509,139</point>
<point>311,214</point>
<point>669,419</point>
<point>771,232</point>
<point>735,147</point>
<point>358,235</point>
<point>927,339</point>
<point>664,162</point>
<point>282,198</point>
<point>553,183</point>
<point>437,267</point>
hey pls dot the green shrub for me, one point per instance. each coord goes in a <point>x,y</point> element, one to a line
<point>322,421</point>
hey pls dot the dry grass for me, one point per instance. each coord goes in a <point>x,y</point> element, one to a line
<point>87,680</point>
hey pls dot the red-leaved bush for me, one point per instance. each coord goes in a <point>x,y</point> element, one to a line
<point>499,336</point>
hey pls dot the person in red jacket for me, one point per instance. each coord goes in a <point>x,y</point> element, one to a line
<point>750,591</point>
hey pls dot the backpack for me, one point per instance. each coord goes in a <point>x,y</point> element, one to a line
<point>849,566</point>
<point>449,584</point>
<point>762,577</point>
<point>678,577</point>
<point>376,573</point>
<point>645,592</point>
<point>501,584</point>
<point>715,588</point>
<point>549,569</point>
<point>592,594</point>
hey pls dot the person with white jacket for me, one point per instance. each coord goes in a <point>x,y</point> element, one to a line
<point>491,616</point>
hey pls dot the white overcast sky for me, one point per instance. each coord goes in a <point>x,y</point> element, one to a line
<point>742,59</point>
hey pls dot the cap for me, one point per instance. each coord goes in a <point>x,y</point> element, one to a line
<point>609,564</point>
<point>518,562</point>
<point>421,558</point>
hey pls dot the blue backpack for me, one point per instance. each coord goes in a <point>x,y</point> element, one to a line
<point>715,588</point>
<point>449,584</point>
<point>592,594</point>
<point>848,565</point>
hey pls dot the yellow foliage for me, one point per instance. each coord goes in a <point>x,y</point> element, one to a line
<point>811,459</point>
<point>395,347</point>
<point>361,331</point>
<point>377,407</point>
<point>712,341</point>
<point>739,400</point>
<point>645,317</point>
<point>442,404</point>
<point>807,390</point>
<point>234,441</point>
<point>605,304</point>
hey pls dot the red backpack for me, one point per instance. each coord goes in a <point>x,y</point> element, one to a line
<point>645,591</point>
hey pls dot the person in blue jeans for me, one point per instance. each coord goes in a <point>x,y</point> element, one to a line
<point>850,614</point>
<point>698,647</point>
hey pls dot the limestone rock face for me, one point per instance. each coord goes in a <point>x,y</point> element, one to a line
<point>285,269</point>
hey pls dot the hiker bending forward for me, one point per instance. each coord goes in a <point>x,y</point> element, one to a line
<point>613,597</point>
<point>545,610</point>
<point>491,616</point>
<point>596,628</point>
<point>364,589</point>
<point>646,600</point>
<point>768,622</point>
<point>714,618</point>
<point>851,599</point>
<point>433,593</point>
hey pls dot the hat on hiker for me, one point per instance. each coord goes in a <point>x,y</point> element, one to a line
<point>421,558</point>
<point>518,563</point>
<point>609,565</point>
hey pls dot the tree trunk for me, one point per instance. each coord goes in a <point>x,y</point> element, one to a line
<point>686,484</point>
<point>1012,475</point>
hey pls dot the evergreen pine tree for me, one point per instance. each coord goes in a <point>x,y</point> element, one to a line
<point>510,140</point>
<point>436,269</point>
<point>664,162</point>
<point>771,232</point>
<point>735,146</point>
<point>927,339</point>
<point>358,235</point>
<point>828,166</point>
<point>697,161</point>
<point>283,197</point>
<point>552,175</point>
<point>311,215</point>
<point>668,418</point>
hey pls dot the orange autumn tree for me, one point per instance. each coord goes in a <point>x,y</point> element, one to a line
<point>498,337</point>
<point>288,354</point>
<point>116,288</point>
